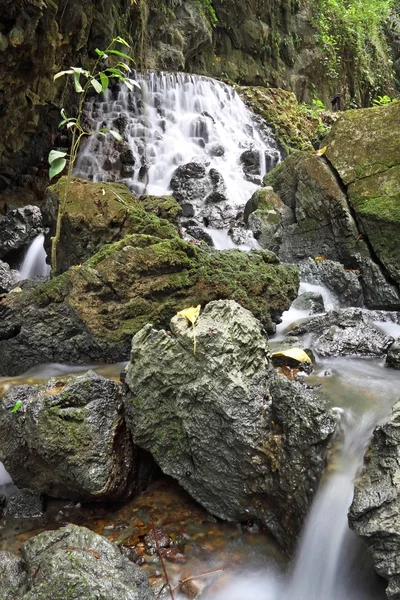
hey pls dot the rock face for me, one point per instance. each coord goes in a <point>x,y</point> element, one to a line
<point>74,563</point>
<point>12,575</point>
<point>343,283</point>
<point>7,277</point>
<point>243,441</point>
<point>102,213</point>
<point>18,228</point>
<point>346,206</point>
<point>91,311</point>
<point>68,439</point>
<point>393,356</point>
<point>374,512</point>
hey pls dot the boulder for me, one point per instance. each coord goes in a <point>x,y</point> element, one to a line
<point>73,563</point>
<point>374,512</point>
<point>325,222</point>
<point>25,504</point>
<point>393,355</point>
<point>68,439</point>
<point>244,441</point>
<point>343,283</point>
<point>12,575</point>
<point>8,277</point>
<point>312,302</point>
<point>91,311</point>
<point>18,228</point>
<point>102,213</point>
<point>371,172</point>
<point>346,331</point>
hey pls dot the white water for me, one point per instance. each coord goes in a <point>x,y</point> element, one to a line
<point>34,263</point>
<point>175,119</point>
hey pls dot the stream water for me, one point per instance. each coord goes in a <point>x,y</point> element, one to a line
<point>180,118</point>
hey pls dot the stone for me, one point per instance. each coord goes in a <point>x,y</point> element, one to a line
<point>73,563</point>
<point>362,340</point>
<point>310,301</point>
<point>18,228</point>
<point>343,283</point>
<point>242,440</point>
<point>263,199</point>
<point>251,165</point>
<point>97,214</point>
<point>91,311</point>
<point>68,439</point>
<point>12,575</point>
<point>374,512</point>
<point>25,504</point>
<point>393,355</point>
<point>8,277</point>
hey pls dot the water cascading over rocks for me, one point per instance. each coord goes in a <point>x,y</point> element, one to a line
<point>186,134</point>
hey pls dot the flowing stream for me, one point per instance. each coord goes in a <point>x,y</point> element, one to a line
<point>34,263</point>
<point>180,118</point>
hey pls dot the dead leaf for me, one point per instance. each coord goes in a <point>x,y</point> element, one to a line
<point>320,152</point>
<point>191,314</point>
<point>296,354</point>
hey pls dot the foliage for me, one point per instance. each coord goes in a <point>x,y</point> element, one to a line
<point>351,34</point>
<point>97,80</point>
<point>382,100</point>
<point>315,111</point>
<point>210,11</point>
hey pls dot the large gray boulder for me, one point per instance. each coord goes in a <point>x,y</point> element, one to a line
<point>374,514</point>
<point>68,439</point>
<point>244,441</point>
<point>74,563</point>
<point>7,277</point>
<point>347,331</point>
<point>18,228</point>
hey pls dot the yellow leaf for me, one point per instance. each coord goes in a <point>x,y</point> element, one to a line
<point>296,354</point>
<point>191,314</point>
<point>320,152</point>
<point>319,258</point>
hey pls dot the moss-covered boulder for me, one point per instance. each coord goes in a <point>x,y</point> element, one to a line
<point>91,311</point>
<point>96,214</point>
<point>364,149</point>
<point>296,126</point>
<point>68,439</point>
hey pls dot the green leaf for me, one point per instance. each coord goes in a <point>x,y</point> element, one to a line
<point>123,66</point>
<point>104,81</point>
<point>120,40</point>
<point>56,167</point>
<point>99,52</point>
<point>80,71</point>
<point>77,84</point>
<point>118,53</point>
<point>16,406</point>
<point>116,135</point>
<point>115,73</point>
<point>62,73</point>
<point>61,123</point>
<point>133,82</point>
<point>63,113</point>
<point>97,86</point>
<point>56,154</point>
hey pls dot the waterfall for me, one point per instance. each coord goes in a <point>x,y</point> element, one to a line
<point>34,263</point>
<point>176,119</point>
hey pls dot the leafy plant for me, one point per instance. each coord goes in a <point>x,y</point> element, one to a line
<point>382,100</point>
<point>97,80</point>
<point>16,406</point>
<point>210,11</point>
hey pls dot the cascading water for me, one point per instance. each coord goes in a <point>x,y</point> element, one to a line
<point>176,119</point>
<point>34,263</point>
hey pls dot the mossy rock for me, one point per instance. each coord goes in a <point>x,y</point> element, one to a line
<point>364,149</point>
<point>91,311</point>
<point>101,213</point>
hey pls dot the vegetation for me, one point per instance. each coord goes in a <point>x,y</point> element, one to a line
<point>210,11</point>
<point>98,80</point>
<point>352,35</point>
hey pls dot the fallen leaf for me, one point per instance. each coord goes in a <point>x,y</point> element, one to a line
<point>191,314</point>
<point>320,152</point>
<point>296,354</point>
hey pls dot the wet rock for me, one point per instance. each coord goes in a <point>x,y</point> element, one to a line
<point>362,340</point>
<point>68,439</point>
<point>198,233</point>
<point>187,210</point>
<point>344,284</point>
<point>127,157</point>
<point>344,317</point>
<point>325,225</point>
<point>266,226</point>
<point>190,183</point>
<point>8,277</point>
<point>243,441</point>
<point>310,301</point>
<point>74,563</point>
<point>97,214</point>
<point>12,575</point>
<point>160,538</point>
<point>263,199</point>
<point>250,160</point>
<point>215,150</point>
<point>25,504</point>
<point>393,355</point>
<point>18,228</point>
<point>374,512</point>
